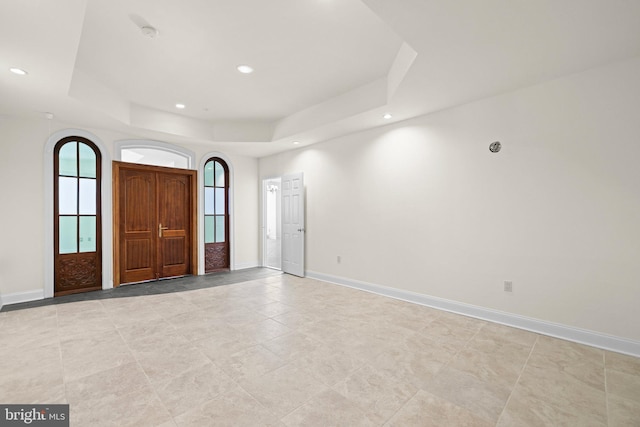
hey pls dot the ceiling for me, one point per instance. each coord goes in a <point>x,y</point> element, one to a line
<point>322,68</point>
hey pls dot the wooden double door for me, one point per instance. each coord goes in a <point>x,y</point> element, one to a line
<point>154,224</point>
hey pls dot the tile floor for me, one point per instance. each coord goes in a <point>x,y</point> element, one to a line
<point>283,351</point>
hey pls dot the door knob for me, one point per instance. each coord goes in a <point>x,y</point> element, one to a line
<point>300,229</point>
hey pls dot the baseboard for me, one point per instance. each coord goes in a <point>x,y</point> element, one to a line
<point>245,265</point>
<point>569,333</point>
<point>18,297</point>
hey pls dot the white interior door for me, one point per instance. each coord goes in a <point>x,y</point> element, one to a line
<point>293,224</point>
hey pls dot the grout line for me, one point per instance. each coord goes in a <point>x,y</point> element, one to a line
<point>518,380</point>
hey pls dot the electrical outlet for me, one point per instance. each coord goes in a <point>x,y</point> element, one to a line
<point>508,286</point>
<point>339,259</point>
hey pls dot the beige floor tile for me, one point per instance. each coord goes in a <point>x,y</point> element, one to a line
<point>296,319</point>
<point>501,367</point>
<point>328,409</point>
<point>483,399</point>
<point>378,395</point>
<point>241,317</point>
<point>325,330</point>
<point>193,388</point>
<point>330,365</point>
<point>87,354</point>
<point>131,315</point>
<point>263,331</point>
<point>205,315</point>
<point>135,409</point>
<point>305,351</point>
<point>252,362</point>
<point>452,333</point>
<point>235,408</point>
<point>526,410</point>
<point>273,309</point>
<point>27,369</point>
<point>585,364</point>
<point>623,412</point>
<point>12,339</point>
<point>284,389</point>
<point>107,384</point>
<point>500,334</point>
<point>562,391</point>
<point>154,343</point>
<point>145,329</point>
<point>623,385</point>
<point>416,363</point>
<point>200,330</point>
<point>86,321</point>
<point>407,366</point>
<point>168,305</point>
<point>225,343</point>
<point>427,410</point>
<point>39,394</point>
<point>30,322</point>
<point>622,363</point>
<point>291,346</point>
<point>166,364</point>
<point>562,350</point>
<point>77,306</point>
<point>462,321</point>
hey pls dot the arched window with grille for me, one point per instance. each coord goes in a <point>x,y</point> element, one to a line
<point>216,215</point>
<point>77,216</point>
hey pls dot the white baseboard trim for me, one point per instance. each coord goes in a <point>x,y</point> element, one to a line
<point>19,297</point>
<point>245,265</point>
<point>569,333</point>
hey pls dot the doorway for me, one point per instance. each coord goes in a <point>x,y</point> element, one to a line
<point>283,232</point>
<point>154,222</point>
<point>272,230</point>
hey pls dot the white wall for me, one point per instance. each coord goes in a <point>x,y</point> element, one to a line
<point>22,206</point>
<point>423,206</point>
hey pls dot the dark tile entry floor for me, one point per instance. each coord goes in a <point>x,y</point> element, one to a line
<point>181,284</point>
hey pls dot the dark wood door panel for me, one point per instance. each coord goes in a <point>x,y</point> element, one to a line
<point>174,217</point>
<point>77,272</point>
<point>216,256</point>
<point>137,225</point>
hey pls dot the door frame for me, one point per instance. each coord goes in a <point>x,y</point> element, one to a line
<point>265,182</point>
<point>193,222</point>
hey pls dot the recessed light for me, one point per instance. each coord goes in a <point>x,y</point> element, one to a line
<point>18,71</point>
<point>149,31</point>
<point>296,142</point>
<point>387,116</point>
<point>245,69</point>
<point>180,106</point>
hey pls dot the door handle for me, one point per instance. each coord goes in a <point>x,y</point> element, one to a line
<point>160,228</point>
<point>301,229</point>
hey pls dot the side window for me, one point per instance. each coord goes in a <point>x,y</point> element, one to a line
<point>77,222</point>
<point>216,214</point>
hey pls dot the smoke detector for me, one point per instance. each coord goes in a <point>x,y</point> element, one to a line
<point>149,31</point>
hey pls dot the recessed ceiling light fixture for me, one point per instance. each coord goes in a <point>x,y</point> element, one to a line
<point>18,71</point>
<point>296,142</point>
<point>180,106</point>
<point>245,69</point>
<point>149,31</point>
<point>387,116</point>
